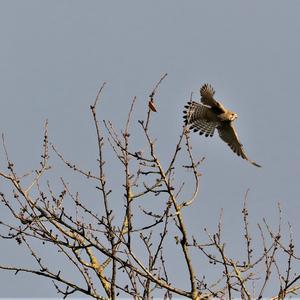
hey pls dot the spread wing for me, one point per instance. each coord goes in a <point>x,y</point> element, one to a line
<point>207,97</point>
<point>228,134</point>
<point>196,116</point>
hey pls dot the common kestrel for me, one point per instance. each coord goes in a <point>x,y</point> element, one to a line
<point>210,114</point>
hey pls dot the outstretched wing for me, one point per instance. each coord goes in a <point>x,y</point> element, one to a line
<point>228,134</point>
<point>207,97</point>
<point>196,116</point>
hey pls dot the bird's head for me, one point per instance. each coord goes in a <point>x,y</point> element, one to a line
<point>232,116</point>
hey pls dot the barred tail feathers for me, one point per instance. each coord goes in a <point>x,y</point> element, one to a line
<point>194,117</point>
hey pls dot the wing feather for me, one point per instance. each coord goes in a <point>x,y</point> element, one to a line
<point>207,97</point>
<point>229,135</point>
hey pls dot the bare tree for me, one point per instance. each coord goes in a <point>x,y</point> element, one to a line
<point>114,255</point>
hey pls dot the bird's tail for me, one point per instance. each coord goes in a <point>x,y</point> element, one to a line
<point>194,118</point>
<point>187,113</point>
<point>193,111</point>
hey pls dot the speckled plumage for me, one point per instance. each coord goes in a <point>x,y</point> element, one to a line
<point>210,114</point>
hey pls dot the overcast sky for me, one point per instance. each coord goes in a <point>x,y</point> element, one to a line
<point>54,55</point>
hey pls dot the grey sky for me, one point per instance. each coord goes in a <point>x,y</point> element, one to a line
<point>54,55</point>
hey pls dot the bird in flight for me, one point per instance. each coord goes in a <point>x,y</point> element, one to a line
<point>210,114</point>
